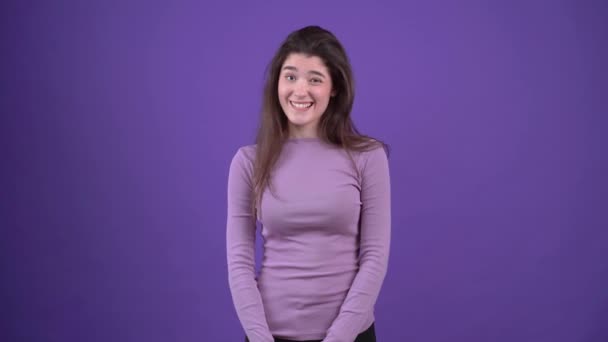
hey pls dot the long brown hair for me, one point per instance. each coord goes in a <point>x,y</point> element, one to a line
<point>335,126</point>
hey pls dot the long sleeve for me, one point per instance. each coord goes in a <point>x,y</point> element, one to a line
<point>240,249</point>
<point>374,250</point>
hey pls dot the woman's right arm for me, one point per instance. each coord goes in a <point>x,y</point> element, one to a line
<point>240,250</point>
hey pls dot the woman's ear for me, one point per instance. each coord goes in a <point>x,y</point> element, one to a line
<point>333,93</point>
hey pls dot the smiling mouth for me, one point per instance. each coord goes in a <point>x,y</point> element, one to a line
<point>301,105</point>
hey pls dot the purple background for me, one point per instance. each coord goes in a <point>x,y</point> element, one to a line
<point>120,118</point>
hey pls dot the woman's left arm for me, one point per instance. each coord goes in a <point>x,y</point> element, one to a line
<point>374,249</point>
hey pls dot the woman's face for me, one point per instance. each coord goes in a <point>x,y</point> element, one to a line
<point>305,88</point>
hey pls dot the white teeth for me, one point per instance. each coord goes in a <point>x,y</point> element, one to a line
<point>301,105</point>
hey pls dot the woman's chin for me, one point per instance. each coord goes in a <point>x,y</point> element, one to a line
<point>299,120</point>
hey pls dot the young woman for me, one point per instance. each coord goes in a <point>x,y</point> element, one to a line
<point>321,191</point>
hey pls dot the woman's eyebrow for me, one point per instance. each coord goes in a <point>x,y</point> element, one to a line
<point>314,72</point>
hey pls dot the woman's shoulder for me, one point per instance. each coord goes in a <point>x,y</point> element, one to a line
<point>247,151</point>
<point>244,157</point>
<point>371,147</point>
<point>373,162</point>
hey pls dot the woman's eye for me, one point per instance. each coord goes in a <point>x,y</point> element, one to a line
<point>290,77</point>
<point>315,80</point>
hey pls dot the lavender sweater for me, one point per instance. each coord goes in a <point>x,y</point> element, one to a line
<point>326,242</point>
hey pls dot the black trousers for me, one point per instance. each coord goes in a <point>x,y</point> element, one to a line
<point>368,335</point>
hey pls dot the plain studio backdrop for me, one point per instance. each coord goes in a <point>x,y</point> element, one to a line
<point>119,120</point>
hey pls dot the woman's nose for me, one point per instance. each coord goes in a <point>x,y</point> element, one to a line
<point>301,87</point>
